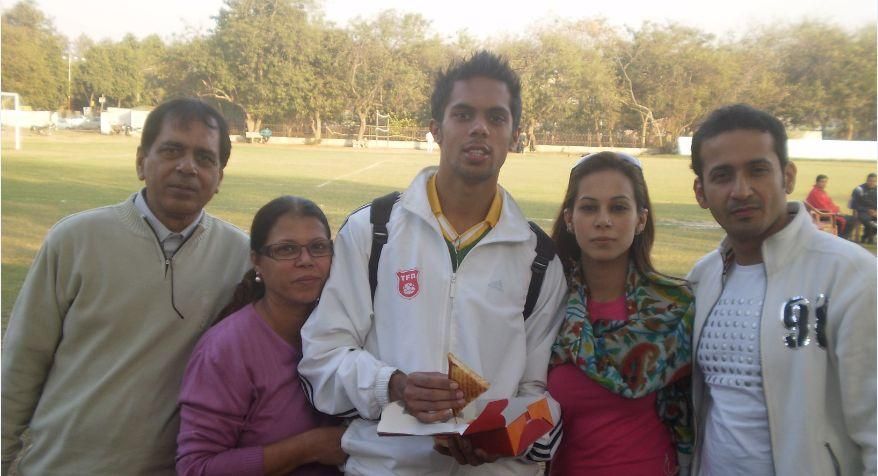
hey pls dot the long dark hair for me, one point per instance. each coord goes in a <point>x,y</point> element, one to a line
<point>249,290</point>
<point>565,242</point>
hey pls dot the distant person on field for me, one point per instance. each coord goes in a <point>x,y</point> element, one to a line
<point>431,142</point>
<point>266,134</point>
<point>863,204</point>
<point>819,199</point>
<point>112,306</point>
<point>242,408</point>
<point>784,336</point>
<point>452,277</point>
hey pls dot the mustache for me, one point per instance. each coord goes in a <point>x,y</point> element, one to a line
<point>739,205</point>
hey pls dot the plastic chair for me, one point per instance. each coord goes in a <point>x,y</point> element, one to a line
<point>825,221</point>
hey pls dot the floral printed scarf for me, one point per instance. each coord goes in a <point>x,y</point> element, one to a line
<point>650,352</point>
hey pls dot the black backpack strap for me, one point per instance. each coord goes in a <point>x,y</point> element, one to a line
<point>545,254</point>
<point>379,215</point>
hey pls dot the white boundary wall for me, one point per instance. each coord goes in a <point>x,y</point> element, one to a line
<point>813,149</point>
<point>138,118</point>
<point>422,145</point>
<point>114,116</point>
<point>28,118</point>
<point>583,150</point>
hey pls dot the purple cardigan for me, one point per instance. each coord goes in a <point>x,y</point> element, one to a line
<point>241,392</point>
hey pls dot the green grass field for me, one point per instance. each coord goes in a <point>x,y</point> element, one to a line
<point>57,175</point>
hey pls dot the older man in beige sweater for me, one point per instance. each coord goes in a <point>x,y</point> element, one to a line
<point>113,304</point>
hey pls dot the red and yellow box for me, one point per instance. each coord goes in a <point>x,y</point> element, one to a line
<point>505,427</point>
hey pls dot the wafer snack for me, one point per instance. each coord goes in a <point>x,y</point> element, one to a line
<point>470,383</point>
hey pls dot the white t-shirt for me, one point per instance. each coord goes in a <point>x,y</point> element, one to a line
<point>736,437</point>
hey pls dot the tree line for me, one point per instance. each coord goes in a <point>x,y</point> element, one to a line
<point>282,62</point>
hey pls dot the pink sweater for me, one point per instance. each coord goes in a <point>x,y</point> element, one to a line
<point>241,392</point>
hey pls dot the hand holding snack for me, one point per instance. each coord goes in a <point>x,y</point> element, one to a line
<point>432,396</point>
<point>471,383</point>
<point>428,396</point>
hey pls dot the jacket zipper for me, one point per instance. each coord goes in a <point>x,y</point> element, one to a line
<point>695,422</point>
<point>834,460</point>
<point>762,324</point>
<point>450,317</point>
<point>452,291</point>
<point>695,432</point>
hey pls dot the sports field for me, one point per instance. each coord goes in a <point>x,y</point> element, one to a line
<point>54,176</point>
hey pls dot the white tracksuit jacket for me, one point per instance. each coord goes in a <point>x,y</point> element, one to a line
<point>820,397</point>
<point>476,313</point>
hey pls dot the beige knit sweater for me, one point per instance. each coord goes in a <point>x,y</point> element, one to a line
<point>94,352</point>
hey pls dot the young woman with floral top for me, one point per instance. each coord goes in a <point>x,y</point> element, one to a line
<point>621,361</point>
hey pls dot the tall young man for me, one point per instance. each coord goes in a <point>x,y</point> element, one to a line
<point>784,374</point>
<point>452,277</point>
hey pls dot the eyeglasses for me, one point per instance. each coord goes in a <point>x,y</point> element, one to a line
<point>627,158</point>
<point>287,250</point>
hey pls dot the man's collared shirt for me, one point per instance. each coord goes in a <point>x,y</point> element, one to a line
<point>170,240</point>
<point>459,244</point>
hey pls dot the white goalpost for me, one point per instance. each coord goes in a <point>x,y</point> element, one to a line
<point>8,117</point>
<point>382,127</point>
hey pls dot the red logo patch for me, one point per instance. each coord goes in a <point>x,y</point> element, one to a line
<point>408,283</point>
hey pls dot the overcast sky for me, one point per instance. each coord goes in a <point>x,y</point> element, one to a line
<point>114,18</point>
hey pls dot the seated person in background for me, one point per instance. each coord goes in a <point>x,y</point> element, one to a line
<point>819,199</point>
<point>863,204</point>
<point>242,408</point>
<point>266,134</point>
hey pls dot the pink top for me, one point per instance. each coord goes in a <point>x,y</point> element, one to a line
<point>241,392</point>
<point>606,434</point>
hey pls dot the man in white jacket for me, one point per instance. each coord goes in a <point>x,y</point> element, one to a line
<point>784,337</point>
<point>452,277</point>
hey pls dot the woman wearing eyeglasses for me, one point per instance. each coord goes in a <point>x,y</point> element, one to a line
<point>242,407</point>
<point>621,361</point>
